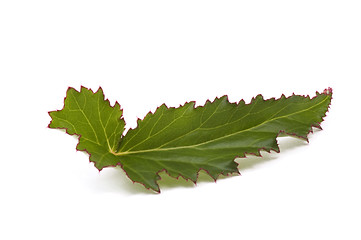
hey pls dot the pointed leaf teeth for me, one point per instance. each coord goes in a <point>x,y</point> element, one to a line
<point>100,89</point>
<point>327,91</point>
<point>241,102</point>
<point>81,116</point>
<point>223,108</point>
<point>157,178</point>
<point>83,88</point>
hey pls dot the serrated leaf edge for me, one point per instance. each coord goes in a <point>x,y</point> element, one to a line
<point>327,91</point>
<point>79,135</point>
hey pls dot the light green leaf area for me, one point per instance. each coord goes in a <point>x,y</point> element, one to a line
<point>184,140</point>
<point>99,125</point>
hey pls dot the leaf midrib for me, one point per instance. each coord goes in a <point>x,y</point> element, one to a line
<point>215,139</point>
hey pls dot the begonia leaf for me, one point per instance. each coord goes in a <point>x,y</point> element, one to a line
<point>184,140</point>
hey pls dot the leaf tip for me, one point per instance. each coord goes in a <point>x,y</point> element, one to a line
<point>328,91</point>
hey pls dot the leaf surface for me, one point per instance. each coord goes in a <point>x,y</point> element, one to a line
<point>99,126</point>
<point>184,140</point>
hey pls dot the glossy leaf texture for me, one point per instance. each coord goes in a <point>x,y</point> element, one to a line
<point>184,140</point>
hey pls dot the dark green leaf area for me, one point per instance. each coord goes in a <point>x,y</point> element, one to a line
<point>144,167</point>
<point>98,124</point>
<point>184,140</point>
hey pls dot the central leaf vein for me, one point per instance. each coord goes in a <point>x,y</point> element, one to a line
<point>219,138</point>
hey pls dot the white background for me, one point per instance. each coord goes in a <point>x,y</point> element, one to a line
<point>145,53</point>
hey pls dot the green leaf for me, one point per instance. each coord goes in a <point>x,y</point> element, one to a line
<point>99,126</point>
<point>184,140</point>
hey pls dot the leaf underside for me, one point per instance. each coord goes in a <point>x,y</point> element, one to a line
<point>184,140</point>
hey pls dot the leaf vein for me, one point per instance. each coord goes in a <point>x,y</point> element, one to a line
<point>219,138</point>
<point>91,126</point>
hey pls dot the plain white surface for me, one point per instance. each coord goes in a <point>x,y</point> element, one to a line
<point>145,53</point>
